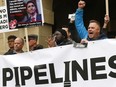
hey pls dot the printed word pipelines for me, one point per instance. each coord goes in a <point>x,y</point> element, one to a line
<point>20,75</point>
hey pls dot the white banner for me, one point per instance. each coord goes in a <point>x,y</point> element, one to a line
<point>65,66</point>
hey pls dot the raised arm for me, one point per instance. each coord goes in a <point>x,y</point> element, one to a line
<point>79,24</point>
<point>106,21</point>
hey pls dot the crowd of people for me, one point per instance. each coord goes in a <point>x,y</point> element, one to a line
<point>63,35</point>
<point>16,44</point>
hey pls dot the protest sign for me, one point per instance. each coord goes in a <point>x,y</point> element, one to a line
<point>3,19</point>
<point>64,66</point>
<point>24,13</point>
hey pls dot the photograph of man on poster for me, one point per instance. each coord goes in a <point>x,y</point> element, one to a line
<point>32,14</point>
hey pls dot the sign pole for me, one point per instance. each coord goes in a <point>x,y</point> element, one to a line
<point>107,7</point>
<point>4,41</point>
<point>26,36</point>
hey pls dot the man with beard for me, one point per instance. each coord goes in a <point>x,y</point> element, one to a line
<point>59,38</point>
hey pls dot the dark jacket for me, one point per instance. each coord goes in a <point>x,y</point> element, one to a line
<point>28,19</point>
<point>101,36</point>
<point>65,42</point>
<point>11,52</point>
<point>8,52</point>
<point>38,47</point>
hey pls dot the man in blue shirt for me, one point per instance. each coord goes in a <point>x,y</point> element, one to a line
<point>94,30</point>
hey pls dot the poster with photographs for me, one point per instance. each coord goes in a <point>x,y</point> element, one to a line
<point>24,13</point>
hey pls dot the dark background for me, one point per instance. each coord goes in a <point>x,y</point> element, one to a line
<point>95,9</point>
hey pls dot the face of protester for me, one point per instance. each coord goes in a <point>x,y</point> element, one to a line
<point>93,30</point>
<point>11,43</point>
<point>31,9</point>
<point>58,36</point>
<point>32,42</point>
<point>18,44</point>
